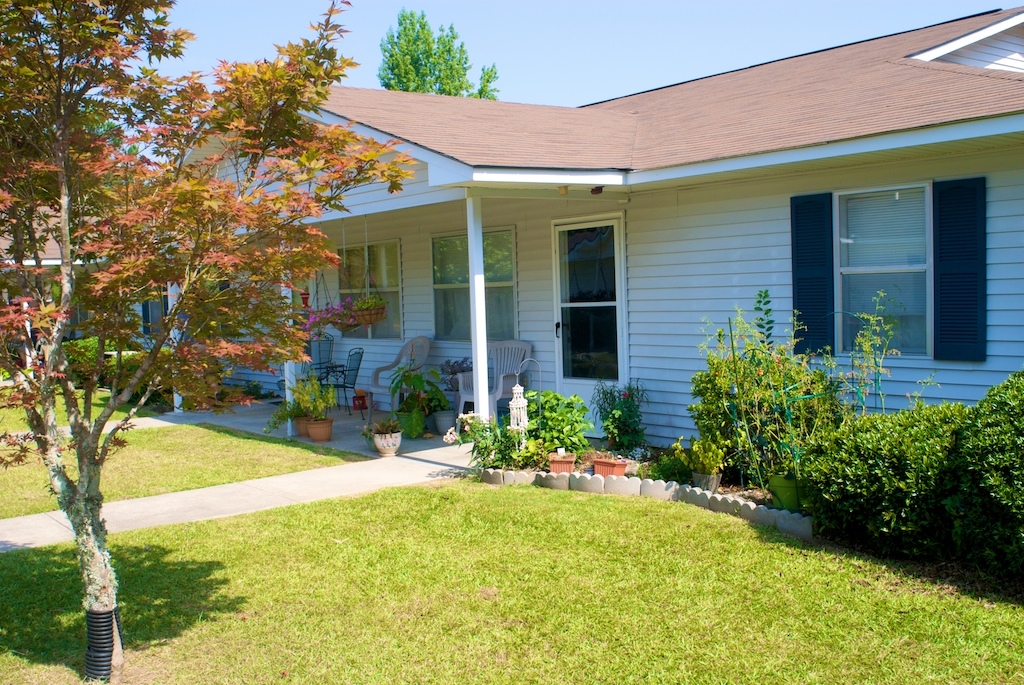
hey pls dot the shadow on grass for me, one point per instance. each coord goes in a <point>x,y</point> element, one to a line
<point>944,577</point>
<point>322,450</point>
<point>161,596</point>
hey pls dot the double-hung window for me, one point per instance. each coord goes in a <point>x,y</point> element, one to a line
<point>451,286</point>
<point>924,245</point>
<point>373,268</point>
<point>883,247</point>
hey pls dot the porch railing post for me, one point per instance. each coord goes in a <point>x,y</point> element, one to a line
<point>173,291</point>
<point>477,304</point>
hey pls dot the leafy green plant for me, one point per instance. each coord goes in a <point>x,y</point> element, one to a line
<point>760,400</point>
<point>495,445</point>
<point>313,399</point>
<point>619,410</point>
<point>704,456</point>
<point>667,466</point>
<point>386,427</point>
<point>371,301</point>
<point>283,413</point>
<point>872,344</point>
<point>420,387</point>
<point>557,421</point>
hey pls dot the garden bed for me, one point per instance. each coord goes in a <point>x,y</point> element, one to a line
<point>796,525</point>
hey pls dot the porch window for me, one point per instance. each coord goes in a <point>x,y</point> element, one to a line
<point>451,286</point>
<point>373,268</point>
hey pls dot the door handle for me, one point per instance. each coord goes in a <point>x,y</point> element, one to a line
<point>558,326</point>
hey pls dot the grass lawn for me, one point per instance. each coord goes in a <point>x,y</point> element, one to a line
<point>14,421</point>
<point>159,460</point>
<point>465,583</point>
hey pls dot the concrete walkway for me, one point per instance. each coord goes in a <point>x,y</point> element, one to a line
<point>421,461</point>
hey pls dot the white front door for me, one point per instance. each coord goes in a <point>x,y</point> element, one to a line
<point>589,307</point>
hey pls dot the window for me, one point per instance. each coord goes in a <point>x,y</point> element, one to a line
<point>883,246</point>
<point>451,286</point>
<point>373,268</point>
<point>924,245</point>
<point>153,312</point>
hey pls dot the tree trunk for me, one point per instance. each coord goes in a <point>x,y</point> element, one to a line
<point>98,574</point>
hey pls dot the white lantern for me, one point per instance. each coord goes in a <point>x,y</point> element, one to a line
<point>517,409</point>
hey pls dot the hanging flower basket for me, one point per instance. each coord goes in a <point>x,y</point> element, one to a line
<point>368,317</point>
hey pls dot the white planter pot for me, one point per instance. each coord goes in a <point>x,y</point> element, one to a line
<point>387,445</point>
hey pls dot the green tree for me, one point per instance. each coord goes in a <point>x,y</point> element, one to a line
<point>145,185</point>
<point>417,61</point>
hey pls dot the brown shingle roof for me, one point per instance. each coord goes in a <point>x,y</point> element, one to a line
<point>490,133</point>
<point>851,91</point>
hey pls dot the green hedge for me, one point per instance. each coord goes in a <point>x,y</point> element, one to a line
<point>930,482</point>
<point>989,507</point>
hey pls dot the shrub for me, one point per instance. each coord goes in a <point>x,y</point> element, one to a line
<point>704,456</point>
<point>619,410</point>
<point>82,355</point>
<point>557,421</point>
<point>883,480</point>
<point>989,508</point>
<point>668,466</point>
<point>760,400</point>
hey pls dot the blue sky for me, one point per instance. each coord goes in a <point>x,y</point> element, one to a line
<point>570,52</point>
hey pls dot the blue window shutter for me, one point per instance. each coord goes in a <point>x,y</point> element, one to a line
<point>959,254</point>
<point>813,270</point>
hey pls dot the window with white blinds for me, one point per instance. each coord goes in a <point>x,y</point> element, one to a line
<point>883,247</point>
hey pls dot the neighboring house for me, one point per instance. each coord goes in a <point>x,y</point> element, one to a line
<point>606,235</point>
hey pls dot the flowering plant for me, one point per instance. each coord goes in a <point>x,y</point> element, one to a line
<point>371,301</point>
<point>338,315</point>
<point>619,409</point>
<point>494,445</point>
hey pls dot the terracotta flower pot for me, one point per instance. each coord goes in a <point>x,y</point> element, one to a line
<point>562,464</point>
<point>320,431</point>
<point>387,444</point>
<point>302,426</point>
<point>609,467</point>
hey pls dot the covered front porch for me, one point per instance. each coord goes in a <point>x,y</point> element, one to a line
<point>539,267</point>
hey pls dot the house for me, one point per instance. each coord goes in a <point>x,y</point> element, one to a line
<point>607,235</point>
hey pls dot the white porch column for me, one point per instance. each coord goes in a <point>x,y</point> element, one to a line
<point>289,369</point>
<point>173,291</point>
<point>477,305</point>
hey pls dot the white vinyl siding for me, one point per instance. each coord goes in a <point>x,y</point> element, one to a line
<point>1003,51</point>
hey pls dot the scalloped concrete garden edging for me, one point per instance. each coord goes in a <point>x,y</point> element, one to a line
<point>797,525</point>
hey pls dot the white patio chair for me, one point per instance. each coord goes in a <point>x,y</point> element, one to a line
<point>504,358</point>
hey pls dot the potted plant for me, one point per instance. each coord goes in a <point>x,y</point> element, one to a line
<point>315,401</point>
<point>288,411</point>
<point>418,389</point>
<point>439,409</point>
<point>450,370</point>
<point>387,437</point>
<point>608,464</point>
<point>561,461</point>
<point>370,309</point>
<point>705,459</point>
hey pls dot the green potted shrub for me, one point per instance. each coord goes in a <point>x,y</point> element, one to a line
<point>705,459</point>
<point>418,388</point>
<point>315,400</point>
<point>439,409</point>
<point>288,411</point>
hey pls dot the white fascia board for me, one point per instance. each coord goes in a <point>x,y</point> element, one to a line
<point>1013,123</point>
<point>441,166</point>
<point>558,177</point>
<point>964,41</point>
